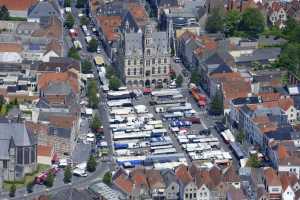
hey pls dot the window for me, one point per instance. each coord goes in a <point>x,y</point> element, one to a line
<point>128,71</point>
<point>33,154</point>
<point>153,70</point>
<point>134,62</point>
<point>191,195</point>
<point>186,195</point>
<point>134,71</point>
<point>129,63</point>
<point>4,164</point>
<point>148,52</point>
<point>165,69</point>
<point>195,195</point>
<point>153,61</point>
<point>141,61</point>
<point>26,155</point>
<point>159,61</point>
<point>19,155</point>
<point>147,62</point>
<point>158,70</point>
<point>141,70</point>
<point>165,60</point>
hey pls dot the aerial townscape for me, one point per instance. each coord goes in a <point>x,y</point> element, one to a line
<point>150,99</point>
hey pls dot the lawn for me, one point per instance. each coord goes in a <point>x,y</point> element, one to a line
<point>28,178</point>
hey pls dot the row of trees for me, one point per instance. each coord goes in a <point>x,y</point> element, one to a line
<point>250,23</point>
<point>79,3</point>
<point>92,94</point>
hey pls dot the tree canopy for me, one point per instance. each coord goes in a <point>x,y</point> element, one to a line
<point>114,83</point>
<point>92,94</point>
<point>70,21</point>
<point>80,3</point>
<point>252,22</point>
<point>216,105</point>
<point>84,20</point>
<point>73,53</point>
<point>231,22</point>
<point>4,14</point>
<point>93,45</point>
<point>107,178</point>
<point>96,123</point>
<point>86,66</point>
<point>91,164</point>
<point>67,174</point>
<point>215,22</point>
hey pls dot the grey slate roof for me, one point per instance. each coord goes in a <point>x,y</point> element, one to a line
<point>44,9</point>
<point>133,44</point>
<point>73,194</point>
<point>169,177</point>
<point>262,54</point>
<point>58,88</point>
<point>13,134</point>
<point>60,132</point>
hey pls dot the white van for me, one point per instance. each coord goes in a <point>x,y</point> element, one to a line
<point>79,172</point>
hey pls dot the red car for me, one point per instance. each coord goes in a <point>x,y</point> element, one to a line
<point>194,120</point>
<point>40,179</point>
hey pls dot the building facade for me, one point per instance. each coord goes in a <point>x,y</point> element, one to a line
<point>147,58</point>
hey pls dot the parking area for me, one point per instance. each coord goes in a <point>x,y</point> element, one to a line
<point>160,129</point>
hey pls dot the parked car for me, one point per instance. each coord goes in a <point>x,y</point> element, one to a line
<point>205,131</point>
<point>219,126</point>
<point>41,178</point>
<point>194,120</point>
<point>79,172</point>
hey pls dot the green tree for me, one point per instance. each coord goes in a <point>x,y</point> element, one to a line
<point>70,21</point>
<point>4,14</point>
<point>67,3</point>
<point>290,58</point>
<point>84,20</point>
<point>215,22</point>
<point>179,80</point>
<point>91,164</point>
<point>73,53</point>
<point>29,186</point>
<point>195,77</point>
<point>92,94</point>
<point>107,178</point>
<point>49,180</point>
<point>86,66</point>
<point>240,137</point>
<point>2,101</point>
<point>96,123</point>
<point>93,45</point>
<point>253,161</point>
<point>114,83</point>
<point>80,3</point>
<point>109,71</point>
<point>252,22</point>
<point>231,22</point>
<point>67,174</point>
<point>12,190</point>
<point>216,105</point>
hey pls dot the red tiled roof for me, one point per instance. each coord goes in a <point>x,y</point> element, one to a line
<point>124,184</point>
<point>21,5</point>
<point>139,13</point>
<point>282,152</point>
<point>48,77</point>
<point>269,96</point>
<point>11,47</point>
<point>271,177</point>
<point>183,174</point>
<point>43,150</point>
<point>109,24</point>
<point>284,103</point>
<point>61,121</point>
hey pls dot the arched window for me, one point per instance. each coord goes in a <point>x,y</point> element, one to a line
<point>128,71</point>
<point>153,70</point>
<point>148,52</point>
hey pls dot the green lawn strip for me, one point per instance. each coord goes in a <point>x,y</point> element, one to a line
<point>28,178</point>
